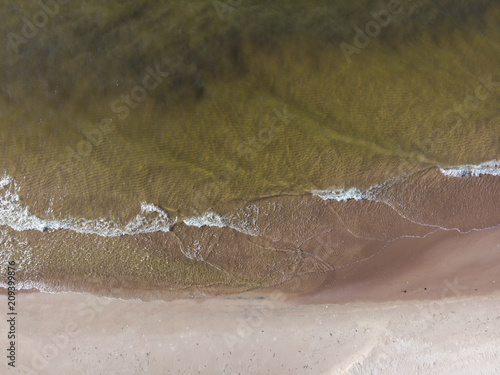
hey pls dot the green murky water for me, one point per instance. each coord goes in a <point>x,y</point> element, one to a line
<point>259,99</point>
<point>195,107</point>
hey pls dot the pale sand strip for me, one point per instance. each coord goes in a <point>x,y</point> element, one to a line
<point>83,334</point>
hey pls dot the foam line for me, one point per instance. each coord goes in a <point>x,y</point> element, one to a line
<point>491,167</point>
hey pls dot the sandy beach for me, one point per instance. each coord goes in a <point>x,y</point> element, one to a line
<point>290,244</point>
<point>244,153</point>
<point>250,187</point>
<point>425,307</point>
<point>444,264</point>
<point>82,334</point>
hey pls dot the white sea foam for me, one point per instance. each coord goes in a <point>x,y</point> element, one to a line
<point>150,219</point>
<point>13,249</point>
<point>11,211</point>
<point>491,167</point>
<point>342,195</point>
<point>153,219</point>
<point>209,219</point>
<point>159,220</point>
<point>13,214</point>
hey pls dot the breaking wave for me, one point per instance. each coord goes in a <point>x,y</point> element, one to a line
<point>342,195</point>
<point>491,167</point>
<point>208,219</point>
<point>152,218</point>
<point>13,214</point>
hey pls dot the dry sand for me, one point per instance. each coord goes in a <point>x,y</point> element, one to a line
<point>453,332</point>
<point>76,334</point>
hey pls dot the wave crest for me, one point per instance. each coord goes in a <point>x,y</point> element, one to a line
<point>342,195</point>
<point>491,167</point>
<point>13,214</point>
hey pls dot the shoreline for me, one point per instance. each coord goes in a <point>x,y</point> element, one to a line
<point>106,227</point>
<point>300,244</point>
<point>442,264</point>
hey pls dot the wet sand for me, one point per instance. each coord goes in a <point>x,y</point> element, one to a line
<point>422,305</point>
<point>289,244</point>
<point>444,264</point>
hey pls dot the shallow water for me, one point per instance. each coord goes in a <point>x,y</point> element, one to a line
<point>120,123</point>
